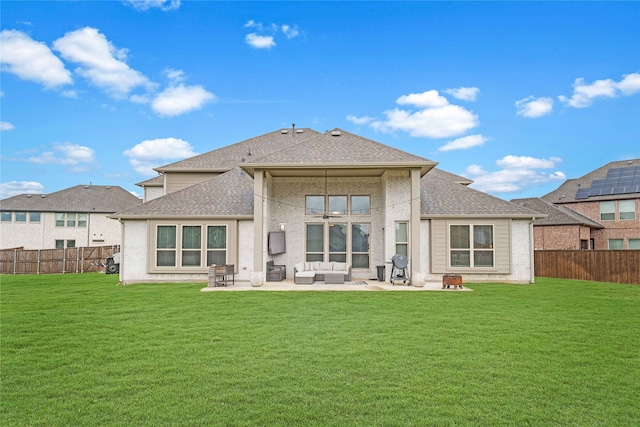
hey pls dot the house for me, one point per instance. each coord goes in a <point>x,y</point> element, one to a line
<point>562,228</point>
<point>595,211</point>
<point>337,197</point>
<point>72,217</point>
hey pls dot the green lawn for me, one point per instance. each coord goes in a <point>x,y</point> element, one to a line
<point>78,350</point>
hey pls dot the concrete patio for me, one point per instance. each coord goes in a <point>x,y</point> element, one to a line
<point>368,285</point>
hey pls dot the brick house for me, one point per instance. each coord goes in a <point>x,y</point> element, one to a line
<point>596,211</point>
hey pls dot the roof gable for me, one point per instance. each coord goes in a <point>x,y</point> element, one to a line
<point>338,148</point>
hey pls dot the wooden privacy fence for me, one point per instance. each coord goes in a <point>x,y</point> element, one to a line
<point>55,261</point>
<point>597,266</point>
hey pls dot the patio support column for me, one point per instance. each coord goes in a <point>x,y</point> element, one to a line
<point>417,275</point>
<point>258,228</point>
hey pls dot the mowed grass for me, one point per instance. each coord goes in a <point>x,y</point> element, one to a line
<point>78,350</point>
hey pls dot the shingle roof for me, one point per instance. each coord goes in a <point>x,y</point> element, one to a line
<point>228,194</point>
<point>227,158</point>
<point>556,214</point>
<point>566,192</point>
<point>443,197</point>
<point>157,181</point>
<point>450,176</point>
<point>81,198</point>
<point>338,147</point>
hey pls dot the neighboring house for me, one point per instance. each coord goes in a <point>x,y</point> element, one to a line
<point>562,228</point>
<point>603,206</point>
<point>73,217</point>
<point>338,197</point>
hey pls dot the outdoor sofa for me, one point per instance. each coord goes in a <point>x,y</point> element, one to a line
<point>308,272</point>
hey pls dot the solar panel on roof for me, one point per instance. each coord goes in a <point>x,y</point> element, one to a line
<point>583,193</point>
<point>624,180</point>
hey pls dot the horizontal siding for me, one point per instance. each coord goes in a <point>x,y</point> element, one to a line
<point>177,181</point>
<point>502,245</point>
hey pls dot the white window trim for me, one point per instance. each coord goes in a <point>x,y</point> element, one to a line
<point>471,249</point>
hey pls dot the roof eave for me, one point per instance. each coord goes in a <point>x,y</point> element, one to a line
<point>178,216</point>
<point>425,167</point>
<point>486,216</point>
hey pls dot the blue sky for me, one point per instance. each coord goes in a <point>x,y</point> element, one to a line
<point>516,96</point>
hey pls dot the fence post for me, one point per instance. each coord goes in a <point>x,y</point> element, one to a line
<point>64,259</point>
<point>38,265</point>
<point>15,260</point>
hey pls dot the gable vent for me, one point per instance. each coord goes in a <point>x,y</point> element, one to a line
<point>336,133</point>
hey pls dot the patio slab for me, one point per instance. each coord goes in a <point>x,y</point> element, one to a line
<point>369,285</point>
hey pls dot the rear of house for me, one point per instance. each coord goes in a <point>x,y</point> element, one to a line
<point>337,197</point>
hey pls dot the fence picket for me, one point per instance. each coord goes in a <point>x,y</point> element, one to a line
<point>54,261</point>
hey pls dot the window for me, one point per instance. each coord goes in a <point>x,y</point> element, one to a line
<point>70,244</point>
<point>7,216</point>
<point>191,245</point>
<point>70,219</point>
<point>34,216</point>
<point>402,238</point>
<point>627,209</point>
<point>338,242</point>
<point>467,253</point>
<point>360,234</point>
<point>634,243</point>
<point>315,242</point>
<point>166,246</point>
<point>21,217</point>
<point>616,244</point>
<point>216,244</point>
<point>607,211</point>
<point>338,205</point>
<point>314,205</point>
<point>360,205</point>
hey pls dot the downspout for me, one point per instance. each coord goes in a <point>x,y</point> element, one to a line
<point>531,256</point>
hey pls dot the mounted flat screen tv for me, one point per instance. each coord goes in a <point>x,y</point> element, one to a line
<point>277,243</point>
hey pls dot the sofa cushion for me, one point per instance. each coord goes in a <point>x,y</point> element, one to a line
<point>306,274</point>
<point>299,267</point>
<point>325,266</point>
<point>339,266</point>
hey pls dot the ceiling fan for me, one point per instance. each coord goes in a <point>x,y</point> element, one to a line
<point>326,215</point>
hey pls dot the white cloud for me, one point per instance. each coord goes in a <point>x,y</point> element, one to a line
<point>434,117</point>
<point>289,31</point>
<point>177,100</point>
<point>584,94</point>
<point>464,143</point>
<point>441,122</point>
<point>76,157</point>
<point>165,5</point>
<point>175,76</point>
<point>259,42</point>
<point>15,188</point>
<point>6,126</point>
<point>428,99</point>
<point>263,36</point>
<point>630,84</point>
<point>464,93</point>
<point>31,60</point>
<point>156,152</point>
<point>360,120</point>
<point>517,173</point>
<point>534,107</point>
<point>100,62</point>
